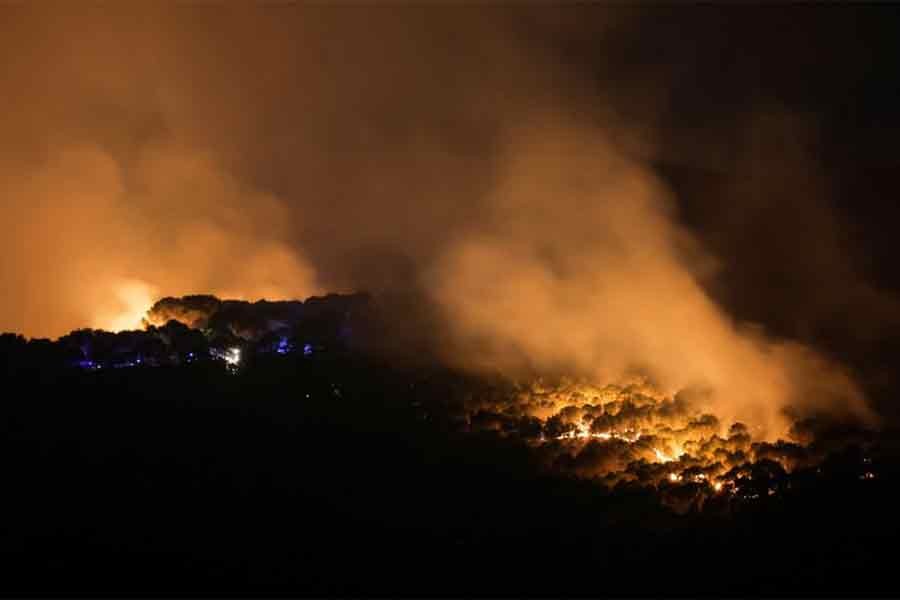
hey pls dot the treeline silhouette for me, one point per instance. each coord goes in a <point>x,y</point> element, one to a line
<point>196,328</point>
<point>346,472</point>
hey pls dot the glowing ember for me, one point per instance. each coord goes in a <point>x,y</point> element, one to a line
<point>632,432</point>
<point>662,456</point>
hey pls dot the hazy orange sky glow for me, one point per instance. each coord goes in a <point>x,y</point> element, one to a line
<point>283,151</point>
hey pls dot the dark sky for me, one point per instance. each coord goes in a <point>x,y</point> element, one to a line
<point>282,150</point>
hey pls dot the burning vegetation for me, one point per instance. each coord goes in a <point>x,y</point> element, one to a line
<point>629,434</point>
<point>303,417</point>
<point>619,251</point>
<point>632,434</point>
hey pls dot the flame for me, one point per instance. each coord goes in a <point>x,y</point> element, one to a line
<point>669,438</point>
<point>662,456</point>
<point>132,299</point>
<point>583,432</point>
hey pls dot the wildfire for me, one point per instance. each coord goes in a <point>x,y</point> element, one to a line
<point>662,456</point>
<point>131,300</point>
<point>582,432</point>
<point>632,432</point>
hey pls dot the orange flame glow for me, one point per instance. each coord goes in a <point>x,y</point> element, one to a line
<point>132,299</point>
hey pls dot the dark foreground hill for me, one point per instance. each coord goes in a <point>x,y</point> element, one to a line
<point>339,474</point>
<point>255,448</point>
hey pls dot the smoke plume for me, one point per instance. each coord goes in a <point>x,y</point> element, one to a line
<point>580,266</point>
<point>466,156</point>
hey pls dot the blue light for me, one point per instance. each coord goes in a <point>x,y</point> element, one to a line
<point>307,349</point>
